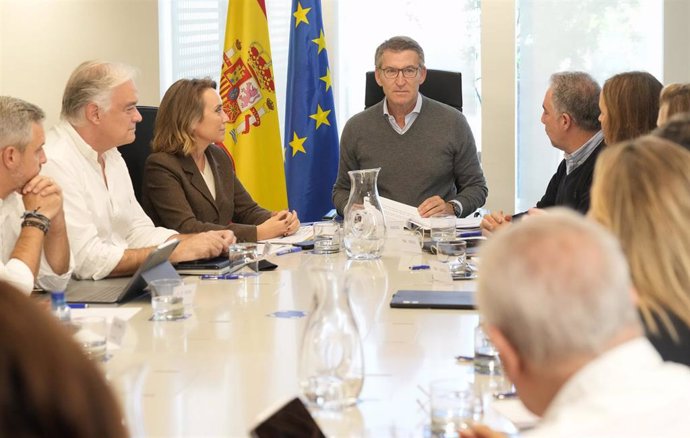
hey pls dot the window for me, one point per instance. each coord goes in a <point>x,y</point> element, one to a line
<point>601,37</point>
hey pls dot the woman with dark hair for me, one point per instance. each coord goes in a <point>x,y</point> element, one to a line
<point>48,388</point>
<point>190,184</point>
<point>629,104</point>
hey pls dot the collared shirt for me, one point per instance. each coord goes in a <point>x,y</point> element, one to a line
<point>572,161</point>
<point>626,392</point>
<point>409,118</point>
<point>15,271</point>
<point>102,220</point>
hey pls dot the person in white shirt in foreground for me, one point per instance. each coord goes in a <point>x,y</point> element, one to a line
<point>109,232</point>
<point>560,311</point>
<point>33,240</point>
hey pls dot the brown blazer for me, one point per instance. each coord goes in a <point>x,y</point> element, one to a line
<point>175,195</point>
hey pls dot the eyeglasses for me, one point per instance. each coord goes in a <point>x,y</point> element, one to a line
<point>392,73</point>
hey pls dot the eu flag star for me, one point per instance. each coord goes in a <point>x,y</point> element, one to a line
<point>320,41</point>
<point>297,144</point>
<point>301,15</point>
<point>327,79</point>
<point>320,116</point>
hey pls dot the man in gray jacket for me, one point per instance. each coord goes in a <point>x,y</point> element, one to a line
<point>425,149</point>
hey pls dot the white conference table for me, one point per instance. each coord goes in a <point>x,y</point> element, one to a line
<point>217,372</point>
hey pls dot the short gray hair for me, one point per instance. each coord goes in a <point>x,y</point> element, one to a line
<point>16,119</point>
<point>399,44</point>
<point>557,286</point>
<point>92,81</point>
<point>577,93</point>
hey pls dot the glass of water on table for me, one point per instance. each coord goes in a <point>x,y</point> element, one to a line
<point>166,304</point>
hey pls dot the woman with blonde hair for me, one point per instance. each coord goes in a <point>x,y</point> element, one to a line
<point>641,193</point>
<point>674,99</point>
<point>190,183</point>
<point>629,105</point>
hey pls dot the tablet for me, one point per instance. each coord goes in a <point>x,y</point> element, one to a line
<point>430,299</point>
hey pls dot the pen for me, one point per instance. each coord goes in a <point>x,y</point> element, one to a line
<point>470,234</point>
<point>419,267</point>
<point>289,250</point>
<point>77,305</point>
<point>464,358</point>
<point>219,277</point>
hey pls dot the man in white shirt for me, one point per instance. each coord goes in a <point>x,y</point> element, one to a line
<point>109,232</point>
<point>556,298</point>
<point>33,239</point>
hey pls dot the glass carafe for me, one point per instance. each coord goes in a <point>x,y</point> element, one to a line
<point>364,226</point>
<point>331,370</point>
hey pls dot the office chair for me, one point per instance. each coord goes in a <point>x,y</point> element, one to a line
<point>135,153</point>
<point>441,85</point>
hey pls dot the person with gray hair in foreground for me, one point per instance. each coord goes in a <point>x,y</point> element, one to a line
<point>562,317</point>
<point>109,232</point>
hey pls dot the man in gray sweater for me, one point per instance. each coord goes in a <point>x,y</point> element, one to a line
<point>425,149</point>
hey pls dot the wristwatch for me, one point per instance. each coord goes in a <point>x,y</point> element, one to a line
<point>457,208</point>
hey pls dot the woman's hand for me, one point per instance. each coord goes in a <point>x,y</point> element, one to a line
<point>280,224</point>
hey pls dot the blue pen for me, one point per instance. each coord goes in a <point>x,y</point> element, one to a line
<point>419,267</point>
<point>77,305</point>
<point>289,250</point>
<point>470,234</point>
<point>219,277</point>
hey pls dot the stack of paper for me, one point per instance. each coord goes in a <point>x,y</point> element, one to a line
<point>397,211</point>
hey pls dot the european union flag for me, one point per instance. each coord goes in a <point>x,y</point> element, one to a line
<point>311,133</point>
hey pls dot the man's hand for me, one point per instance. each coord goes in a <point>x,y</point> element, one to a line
<point>536,212</point>
<point>481,431</point>
<point>434,205</point>
<point>43,194</point>
<point>202,245</point>
<point>281,223</point>
<point>493,222</point>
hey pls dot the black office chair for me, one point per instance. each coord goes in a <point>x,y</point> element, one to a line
<point>135,153</point>
<point>441,85</point>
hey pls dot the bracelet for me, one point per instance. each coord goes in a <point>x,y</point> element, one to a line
<point>31,223</point>
<point>34,214</point>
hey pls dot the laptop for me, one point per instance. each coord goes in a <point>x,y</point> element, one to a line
<point>427,299</point>
<point>119,290</point>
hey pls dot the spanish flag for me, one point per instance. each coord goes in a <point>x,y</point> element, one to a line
<point>247,88</point>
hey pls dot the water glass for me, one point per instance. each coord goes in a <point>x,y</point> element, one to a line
<point>486,359</point>
<point>454,407</point>
<point>166,304</point>
<point>327,237</point>
<point>244,259</point>
<point>92,334</point>
<point>453,253</point>
<point>442,227</point>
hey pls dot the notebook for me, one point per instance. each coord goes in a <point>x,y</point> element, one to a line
<point>215,265</point>
<point>429,299</point>
<point>119,290</point>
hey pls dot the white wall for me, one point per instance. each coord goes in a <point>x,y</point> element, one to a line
<point>42,41</point>
<point>676,41</point>
<point>498,103</point>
